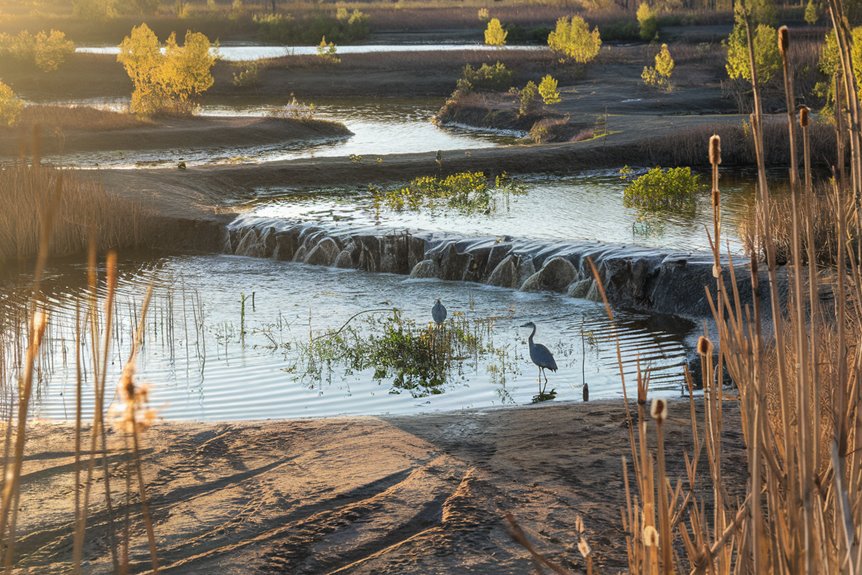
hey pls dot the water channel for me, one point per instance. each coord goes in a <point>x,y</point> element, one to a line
<point>233,337</point>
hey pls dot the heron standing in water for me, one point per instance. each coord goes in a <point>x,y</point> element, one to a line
<point>541,356</point>
<point>438,313</point>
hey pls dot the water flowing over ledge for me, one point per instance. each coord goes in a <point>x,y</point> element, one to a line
<point>636,278</point>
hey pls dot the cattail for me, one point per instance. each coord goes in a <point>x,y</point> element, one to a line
<point>783,40</point>
<point>38,324</point>
<point>658,411</point>
<point>584,548</point>
<point>579,524</point>
<point>650,536</point>
<point>715,150</point>
<point>704,346</point>
<point>804,116</point>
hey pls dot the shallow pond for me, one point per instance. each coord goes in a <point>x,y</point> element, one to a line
<point>244,53</point>
<point>379,128</point>
<point>584,207</point>
<point>209,357</point>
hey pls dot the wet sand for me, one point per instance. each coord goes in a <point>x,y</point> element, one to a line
<point>399,495</point>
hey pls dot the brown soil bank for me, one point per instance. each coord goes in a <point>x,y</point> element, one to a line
<point>391,74</point>
<point>400,495</point>
<point>500,112</point>
<point>174,132</point>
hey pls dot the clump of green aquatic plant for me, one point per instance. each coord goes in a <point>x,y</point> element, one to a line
<point>662,191</point>
<point>419,359</point>
<point>468,192</point>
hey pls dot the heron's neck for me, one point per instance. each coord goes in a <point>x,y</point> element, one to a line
<point>532,333</point>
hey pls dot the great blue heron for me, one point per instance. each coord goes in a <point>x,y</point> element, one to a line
<point>541,356</point>
<point>438,313</point>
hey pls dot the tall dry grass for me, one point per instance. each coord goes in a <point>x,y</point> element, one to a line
<point>796,362</point>
<point>92,453</point>
<point>76,118</point>
<point>84,211</point>
<point>689,146</point>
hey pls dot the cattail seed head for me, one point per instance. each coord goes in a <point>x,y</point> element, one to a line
<point>584,548</point>
<point>659,410</point>
<point>804,116</point>
<point>704,346</point>
<point>579,524</point>
<point>783,40</point>
<point>715,150</point>
<point>650,536</point>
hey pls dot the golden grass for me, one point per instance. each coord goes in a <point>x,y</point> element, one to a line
<point>796,365</point>
<point>76,118</point>
<point>688,147</point>
<point>85,210</point>
<point>51,195</point>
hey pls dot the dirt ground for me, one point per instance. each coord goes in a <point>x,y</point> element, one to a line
<point>177,132</point>
<point>420,494</point>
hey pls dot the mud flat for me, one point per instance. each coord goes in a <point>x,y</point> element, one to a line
<point>180,132</point>
<point>416,494</point>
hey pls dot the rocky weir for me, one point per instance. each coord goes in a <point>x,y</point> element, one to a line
<point>635,278</point>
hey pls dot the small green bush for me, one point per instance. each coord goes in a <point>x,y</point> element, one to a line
<point>345,27</point>
<point>572,40</point>
<point>664,191</point>
<point>10,106</point>
<point>328,51</point>
<point>527,98</point>
<point>647,22</point>
<point>548,90</point>
<point>486,78</point>
<point>494,33</point>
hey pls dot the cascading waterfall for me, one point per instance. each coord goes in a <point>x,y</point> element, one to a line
<point>642,279</point>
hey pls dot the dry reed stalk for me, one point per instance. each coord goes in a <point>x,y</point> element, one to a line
<point>36,329</point>
<point>784,50</point>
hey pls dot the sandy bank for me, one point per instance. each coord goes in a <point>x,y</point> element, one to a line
<point>420,494</point>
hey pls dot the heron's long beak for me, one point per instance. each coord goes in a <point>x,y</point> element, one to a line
<point>526,325</point>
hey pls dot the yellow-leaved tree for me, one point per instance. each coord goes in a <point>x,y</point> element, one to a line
<point>169,81</point>
<point>495,35</point>
<point>10,106</point>
<point>573,40</point>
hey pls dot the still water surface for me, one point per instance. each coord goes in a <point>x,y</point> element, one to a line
<point>243,53</point>
<point>583,207</point>
<point>379,128</point>
<point>202,367</point>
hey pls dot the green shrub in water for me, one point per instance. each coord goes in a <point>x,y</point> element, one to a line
<point>673,190</point>
<point>469,192</point>
<point>419,359</point>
